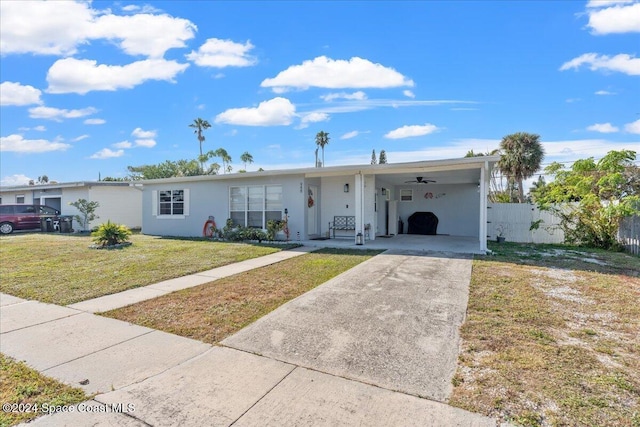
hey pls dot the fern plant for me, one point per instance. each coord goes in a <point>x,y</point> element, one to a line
<point>110,234</point>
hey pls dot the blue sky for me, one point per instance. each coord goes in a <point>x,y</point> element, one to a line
<point>89,88</point>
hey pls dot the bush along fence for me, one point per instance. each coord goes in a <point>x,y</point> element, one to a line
<point>525,223</point>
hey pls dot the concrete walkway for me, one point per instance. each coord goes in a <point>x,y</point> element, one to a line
<point>358,350</point>
<point>132,296</point>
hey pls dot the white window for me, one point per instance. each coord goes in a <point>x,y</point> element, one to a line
<point>173,203</point>
<point>406,195</point>
<point>253,206</point>
<point>20,199</point>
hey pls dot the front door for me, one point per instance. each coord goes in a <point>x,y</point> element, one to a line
<point>312,210</point>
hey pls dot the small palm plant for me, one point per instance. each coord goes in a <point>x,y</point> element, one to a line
<point>110,234</point>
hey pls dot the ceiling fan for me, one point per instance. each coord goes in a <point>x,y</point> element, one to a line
<point>420,180</point>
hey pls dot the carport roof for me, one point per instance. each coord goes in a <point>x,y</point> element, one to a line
<point>461,170</point>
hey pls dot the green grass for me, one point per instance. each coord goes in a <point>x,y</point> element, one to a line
<point>21,385</point>
<point>551,337</point>
<point>213,311</point>
<point>61,269</point>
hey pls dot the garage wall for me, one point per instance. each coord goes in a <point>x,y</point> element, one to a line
<point>456,206</point>
<point>9,197</point>
<point>211,198</point>
<point>122,205</point>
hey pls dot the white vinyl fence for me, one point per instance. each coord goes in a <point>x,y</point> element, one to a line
<point>629,234</point>
<point>515,220</point>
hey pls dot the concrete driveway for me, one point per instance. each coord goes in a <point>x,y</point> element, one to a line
<point>391,321</point>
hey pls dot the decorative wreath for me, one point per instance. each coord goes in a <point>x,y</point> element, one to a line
<point>310,202</point>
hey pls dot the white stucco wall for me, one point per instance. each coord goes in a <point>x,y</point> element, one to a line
<point>457,210</point>
<point>122,205</point>
<point>211,198</point>
<point>9,197</point>
<point>334,201</point>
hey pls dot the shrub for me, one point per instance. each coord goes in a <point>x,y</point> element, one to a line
<point>273,227</point>
<point>109,234</point>
<point>87,210</point>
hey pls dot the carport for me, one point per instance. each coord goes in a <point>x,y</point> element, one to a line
<point>382,198</point>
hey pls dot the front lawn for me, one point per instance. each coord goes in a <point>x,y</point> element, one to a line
<point>61,269</point>
<point>552,337</point>
<point>213,311</point>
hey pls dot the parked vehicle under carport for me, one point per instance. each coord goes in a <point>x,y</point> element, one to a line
<point>24,217</point>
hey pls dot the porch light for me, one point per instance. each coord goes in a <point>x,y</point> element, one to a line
<point>346,188</point>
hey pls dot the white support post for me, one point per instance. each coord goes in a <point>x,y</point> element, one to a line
<point>359,205</point>
<point>484,183</point>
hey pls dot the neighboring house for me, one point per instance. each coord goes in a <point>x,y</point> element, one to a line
<point>120,202</point>
<point>376,195</point>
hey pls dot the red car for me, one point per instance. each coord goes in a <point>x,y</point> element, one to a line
<point>23,217</point>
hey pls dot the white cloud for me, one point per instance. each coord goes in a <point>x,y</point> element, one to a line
<point>572,100</point>
<point>413,130</point>
<point>106,153</point>
<point>603,128</point>
<point>408,93</point>
<point>604,92</point>
<point>58,114</point>
<point>40,128</point>
<point>122,144</point>
<point>605,3</point>
<point>12,93</point>
<point>17,179</point>
<point>274,112</point>
<point>312,118</point>
<point>147,143</point>
<point>58,28</point>
<point>622,63</point>
<point>325,72</point>
<point>350,135</point>
<point>359,96</point>
<point>223,53</point>
<point>80,138</point>
<point>139,133</point>
<point>218,76</point>
<point>147,8</point>
<point>145,138</point>
<point>95,121</point>
<point>48,28</point>
<point>80,76</point>
<point>633,127</point>
<point>615,20</point>
<point>17,144</point>
<point>143,34</point>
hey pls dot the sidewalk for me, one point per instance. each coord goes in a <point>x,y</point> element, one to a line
<point>160,379</point>
<point>133,296</point>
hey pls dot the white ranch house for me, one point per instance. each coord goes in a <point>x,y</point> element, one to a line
<point>376,196</point>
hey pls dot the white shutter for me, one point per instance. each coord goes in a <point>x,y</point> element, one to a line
<point>154,203</point>
<point>186,201</point>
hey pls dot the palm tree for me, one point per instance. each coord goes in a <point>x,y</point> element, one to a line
<point>246,158</point>
<point>322,139</point>
<point>226,159</point>
<point>522,155</point>
<point>200,125</point>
